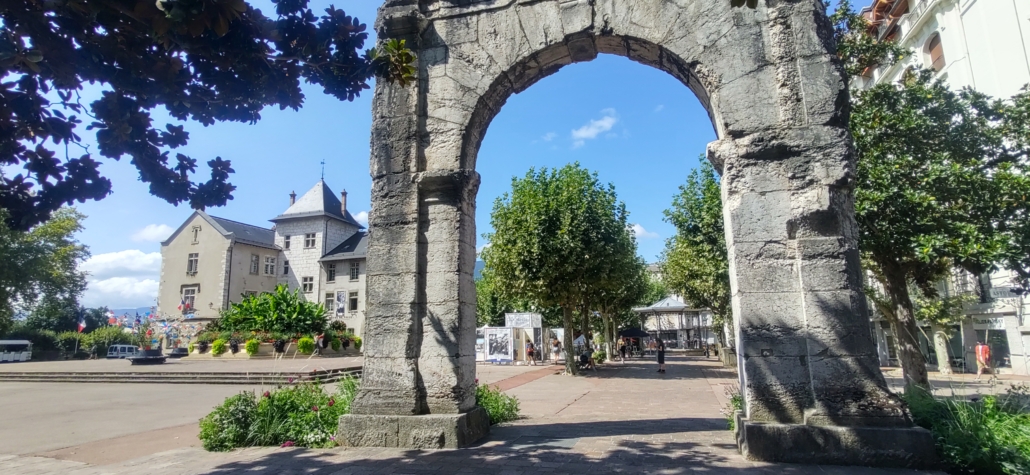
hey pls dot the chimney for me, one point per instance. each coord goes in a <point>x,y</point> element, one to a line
<point>293,197</point>
<point>343,202</point>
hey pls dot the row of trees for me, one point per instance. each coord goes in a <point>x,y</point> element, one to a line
<point>561,245</point>
<point>943,183</point>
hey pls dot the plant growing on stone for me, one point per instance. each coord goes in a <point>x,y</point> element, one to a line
<point>357,342</point>
<point>501,407</point>
<point>252,347</point>
<point>335,344</point>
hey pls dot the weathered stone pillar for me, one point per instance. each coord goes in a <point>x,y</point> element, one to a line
<point>418,382</point>
<point>808,366</point>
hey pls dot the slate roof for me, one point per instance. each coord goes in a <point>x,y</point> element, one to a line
<point>355,246</point>
<point>241,232</point>
<point>318,201</point>
<point>246,233</point>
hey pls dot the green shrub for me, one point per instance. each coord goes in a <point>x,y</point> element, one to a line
<point>104,337</point>
<point>69,341</point>
<point>600,356</point>
<point>303,414</point>
<point>218,347</point>
<point>190,347</point>
<point>252,347</point>
<point>357,342</point>
<point>500,406</point>
<point>277,311</point>
<point>335,344</point>
<point>42,340</point>
<point>306,345</point>
<point>986,436</point>
<point>229,425</point>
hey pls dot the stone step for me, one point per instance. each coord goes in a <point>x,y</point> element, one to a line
<point>329,376</point>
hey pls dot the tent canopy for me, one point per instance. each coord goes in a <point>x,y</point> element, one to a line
<point>633,333</point>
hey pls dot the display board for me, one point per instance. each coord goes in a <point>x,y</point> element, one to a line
<point>499,344</point>
<point>523,320</point>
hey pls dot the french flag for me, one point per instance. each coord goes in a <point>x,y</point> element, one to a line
<point>82,325</point>
<point>182,303</point>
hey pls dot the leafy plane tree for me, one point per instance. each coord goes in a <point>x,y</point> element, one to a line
<point>202,60</point>
<point>555,235</point>
<point>695,263</point>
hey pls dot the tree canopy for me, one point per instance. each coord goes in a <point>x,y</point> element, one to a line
<point>554,237</point>
<point>40,275</point>
<point>201,60</point>
<point>695,263</point>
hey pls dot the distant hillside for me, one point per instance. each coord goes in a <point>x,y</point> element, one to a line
<point>479,269</point>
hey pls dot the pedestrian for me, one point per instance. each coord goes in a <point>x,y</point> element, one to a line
<point>555,349</point>
<point>983,359</point>
<point>659,346</point>
<point>531,353</point>
<point>622,348</point>
<point>708,352</point>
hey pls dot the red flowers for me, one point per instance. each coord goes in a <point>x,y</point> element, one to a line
<point>288,443</point>
<point>331,402</point>
<point>266,394</point>
<point>314,408</point>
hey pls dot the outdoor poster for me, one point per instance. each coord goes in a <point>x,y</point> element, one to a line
<point>480,344</point>
<point>499,344</point>
<point>341,303</point>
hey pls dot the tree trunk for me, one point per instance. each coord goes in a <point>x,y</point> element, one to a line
<point>570,359</point>
<point>906,331</point>
<point>585,325</point>
<point>940,346</point>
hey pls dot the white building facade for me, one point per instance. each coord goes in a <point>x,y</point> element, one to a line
<point>985,45</point>
<point>315,246</point>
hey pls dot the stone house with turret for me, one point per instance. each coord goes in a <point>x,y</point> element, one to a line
<point>315,246</point>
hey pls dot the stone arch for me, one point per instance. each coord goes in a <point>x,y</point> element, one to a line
<point>778,102</point>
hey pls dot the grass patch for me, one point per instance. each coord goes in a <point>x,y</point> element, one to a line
<point>989,435</point>
<point>303,415</point>
<point>500,406</point>
<point>736,404</point>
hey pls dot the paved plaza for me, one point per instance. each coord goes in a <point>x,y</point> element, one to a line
<point>621,418</point>
<point>185,365</point>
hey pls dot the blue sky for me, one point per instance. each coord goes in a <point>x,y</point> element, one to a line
<point>637,127</point>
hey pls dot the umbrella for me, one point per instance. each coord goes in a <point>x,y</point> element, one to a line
<point>633,333</point>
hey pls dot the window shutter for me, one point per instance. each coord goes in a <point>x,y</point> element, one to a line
<point>936,52</point>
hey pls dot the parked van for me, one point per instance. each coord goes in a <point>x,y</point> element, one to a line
<point>15,350</point>
<point>122,351</point>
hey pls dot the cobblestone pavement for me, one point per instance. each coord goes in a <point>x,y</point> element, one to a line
<point>624,418</point>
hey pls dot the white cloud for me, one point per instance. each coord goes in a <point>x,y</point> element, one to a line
<point>153,233</point>
<point>642,233</point>
<point>660,108</point>
<point>126,278</point>
<point>549,136</point>
<point>479,250</point>
<point>120,292</point>
<point>594,128</point>
<point>362,217</point>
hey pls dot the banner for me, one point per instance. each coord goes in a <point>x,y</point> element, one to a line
<point>522,320</point>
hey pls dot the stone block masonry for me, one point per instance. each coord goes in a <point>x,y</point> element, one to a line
<point>777,99</point>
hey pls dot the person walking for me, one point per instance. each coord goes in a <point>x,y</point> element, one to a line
<point>555,349</point>
<point>659,347</point>
<point>531,353</point>
<point>622,349</point>
<point>983,359</point>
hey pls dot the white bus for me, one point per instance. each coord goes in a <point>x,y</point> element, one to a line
<point>15,350</point>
